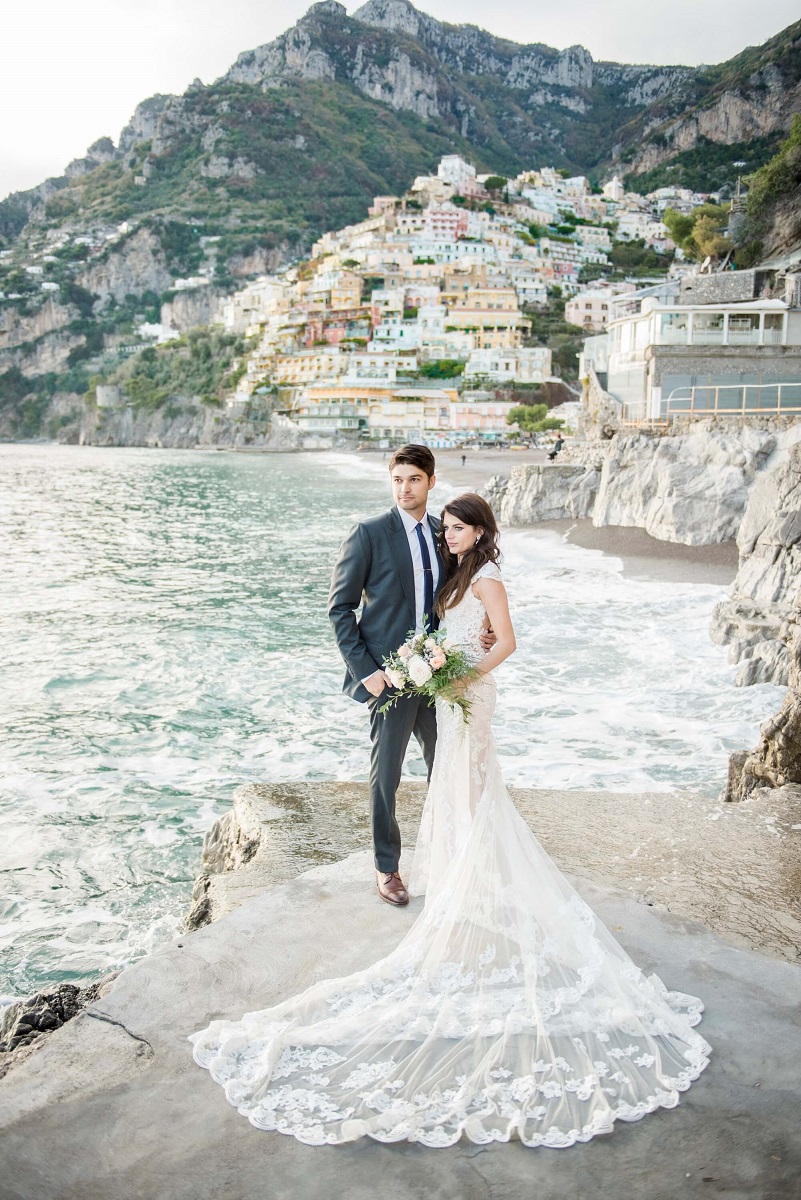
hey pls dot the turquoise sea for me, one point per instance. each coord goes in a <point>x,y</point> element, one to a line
<point>163,638</point>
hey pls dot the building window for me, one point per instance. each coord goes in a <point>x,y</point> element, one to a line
<point>673,329</point>
<point>743,329</point>
<point>708,328</point>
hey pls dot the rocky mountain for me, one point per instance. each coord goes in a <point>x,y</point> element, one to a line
<point>214,150</point>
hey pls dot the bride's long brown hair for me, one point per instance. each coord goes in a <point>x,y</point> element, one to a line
<point>472,510</point>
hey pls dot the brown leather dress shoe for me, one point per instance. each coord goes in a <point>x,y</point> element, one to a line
<point>391,889</point>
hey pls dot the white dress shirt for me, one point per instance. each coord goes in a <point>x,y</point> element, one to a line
<point>410,525</point>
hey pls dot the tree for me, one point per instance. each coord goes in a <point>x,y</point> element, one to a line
<point>701,233</point>
<point>680,226</point>
<point>443,368</point>
<point>532,418</point>
<point>635,258</point>
<point>495,183</point>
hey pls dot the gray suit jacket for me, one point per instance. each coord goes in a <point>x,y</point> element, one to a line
<point>375,569</point>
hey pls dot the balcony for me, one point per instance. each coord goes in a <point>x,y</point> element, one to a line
<point>718,328</point>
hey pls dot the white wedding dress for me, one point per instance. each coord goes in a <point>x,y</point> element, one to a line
<point>507,1011</point>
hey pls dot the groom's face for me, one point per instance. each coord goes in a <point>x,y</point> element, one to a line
<point>410,488</point>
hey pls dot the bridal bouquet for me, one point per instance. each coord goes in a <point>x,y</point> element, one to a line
<point>430,664</point>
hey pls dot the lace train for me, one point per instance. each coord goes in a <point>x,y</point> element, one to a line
<point>508,1010</point>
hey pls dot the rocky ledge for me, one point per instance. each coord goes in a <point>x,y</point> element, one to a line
<point>733,867</point>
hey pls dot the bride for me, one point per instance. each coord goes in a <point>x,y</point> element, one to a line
<point>508,1010</point>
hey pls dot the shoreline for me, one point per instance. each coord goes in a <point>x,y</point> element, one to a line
<point>643,557</point>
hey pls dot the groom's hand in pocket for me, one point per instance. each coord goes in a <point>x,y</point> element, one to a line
<point>376,683</point>
<point>488,639</point>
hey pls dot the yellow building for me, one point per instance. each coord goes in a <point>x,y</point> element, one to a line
<point>490,314</point>
<point>347,291</point>
<point>305,366</point>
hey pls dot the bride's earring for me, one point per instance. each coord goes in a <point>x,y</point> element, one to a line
<point>478,539</point>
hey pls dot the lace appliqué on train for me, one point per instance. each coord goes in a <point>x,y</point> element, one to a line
<point>507,1011</point>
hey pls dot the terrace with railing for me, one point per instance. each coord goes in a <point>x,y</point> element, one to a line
<point>757,323</point>
<point>744,399</point>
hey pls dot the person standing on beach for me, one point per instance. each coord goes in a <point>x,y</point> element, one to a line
<point>557,446</point>
<point>391,565</point>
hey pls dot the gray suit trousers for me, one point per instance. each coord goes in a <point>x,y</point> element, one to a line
<point>390,733</point>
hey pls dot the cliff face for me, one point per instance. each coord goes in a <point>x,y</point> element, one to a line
<point>137,265</point>
<point>180,424</point>
<point>404,58</point>
<point>690,487</point>
<point>756,621</point>
<point>753,95</point>
<point>16,328</point>
<point>698,488</point>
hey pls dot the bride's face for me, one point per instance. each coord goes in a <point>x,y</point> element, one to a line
<point>459,536</point>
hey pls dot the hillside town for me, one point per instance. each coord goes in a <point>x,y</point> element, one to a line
<point>416,321</point>
<point>425,320</point>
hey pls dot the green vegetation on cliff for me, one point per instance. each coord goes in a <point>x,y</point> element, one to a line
<point>772,222</point>
<point>203,363</point>
<point>277,170</point>
<point>708,167</point>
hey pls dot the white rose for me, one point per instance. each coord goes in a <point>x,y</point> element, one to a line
<point>449,644</point>
<point>419,670</point>
<point>430,644</point>
<point>396,678</point>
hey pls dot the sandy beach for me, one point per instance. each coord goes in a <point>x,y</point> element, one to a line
<point>481,465</point>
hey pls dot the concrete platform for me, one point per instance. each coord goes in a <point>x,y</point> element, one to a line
<point>112,1107</point>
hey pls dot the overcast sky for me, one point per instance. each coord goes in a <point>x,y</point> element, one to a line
<point>73,72</point>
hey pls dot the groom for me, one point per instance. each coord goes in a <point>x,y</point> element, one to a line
<point>390,565</point>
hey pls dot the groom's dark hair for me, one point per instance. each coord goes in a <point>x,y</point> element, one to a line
<point>414,456</point>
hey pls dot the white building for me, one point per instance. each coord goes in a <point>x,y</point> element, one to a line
<point>518,365</point>
<point>591,309</point>
<point>666,357</point>
<point>614,190</point>
<point>454,170</point>
<point>594,235</point>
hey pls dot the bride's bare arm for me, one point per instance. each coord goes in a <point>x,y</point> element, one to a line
<point>492,595</point>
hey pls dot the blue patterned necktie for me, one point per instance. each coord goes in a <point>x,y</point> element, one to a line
<point>428,578</point>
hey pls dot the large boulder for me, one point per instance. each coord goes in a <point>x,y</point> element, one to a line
<point>690,488</point>
<point>755,621</point>
<point>543,492</point>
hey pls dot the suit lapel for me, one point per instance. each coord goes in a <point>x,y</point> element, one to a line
<point>435,528</point>
<point>399,543</point>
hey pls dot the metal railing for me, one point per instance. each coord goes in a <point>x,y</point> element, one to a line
<point>733,399</point>
<point>726,400</point>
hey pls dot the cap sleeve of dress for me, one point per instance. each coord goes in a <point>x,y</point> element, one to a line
<point>488,571</point>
